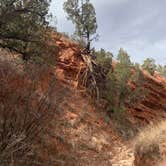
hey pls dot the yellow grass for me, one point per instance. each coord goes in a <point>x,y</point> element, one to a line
<point>153,134</point>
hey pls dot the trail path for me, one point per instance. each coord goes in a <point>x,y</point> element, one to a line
<point>92,140</point>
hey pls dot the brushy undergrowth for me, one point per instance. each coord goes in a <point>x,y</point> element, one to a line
<point>25,114</point>
<point>150,144</point>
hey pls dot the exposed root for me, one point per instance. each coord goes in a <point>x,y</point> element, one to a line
<point>88,78</point>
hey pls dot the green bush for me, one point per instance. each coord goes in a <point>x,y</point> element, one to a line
<point>23,27</point>
<point>149,65</point>
<point>119,83</point>
<point>103,57</point>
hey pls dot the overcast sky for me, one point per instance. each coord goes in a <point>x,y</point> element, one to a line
<point>138,26</point>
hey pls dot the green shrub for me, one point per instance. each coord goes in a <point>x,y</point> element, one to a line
<point>103,57</point>
<point>23,27</point>
<point>119,83</point>
<point>149,65</point>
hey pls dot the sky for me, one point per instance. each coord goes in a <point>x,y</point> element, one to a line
<point>138,26</point>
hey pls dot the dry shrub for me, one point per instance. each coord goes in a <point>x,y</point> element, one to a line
<point>149,147</point>
<point>25,114</point>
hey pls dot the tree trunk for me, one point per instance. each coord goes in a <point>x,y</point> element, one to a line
<point>88,43</point>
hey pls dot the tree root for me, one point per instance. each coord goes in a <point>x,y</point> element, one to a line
<point>88,77</point>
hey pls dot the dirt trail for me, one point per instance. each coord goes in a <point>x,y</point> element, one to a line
<point>88,139</point>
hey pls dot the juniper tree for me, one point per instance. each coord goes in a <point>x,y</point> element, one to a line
<point>103,59</point>
<point>102,56</point>
<point>119,90</point>
<point>22,25</point>
<point>82,14</point>
<point>149,65</point>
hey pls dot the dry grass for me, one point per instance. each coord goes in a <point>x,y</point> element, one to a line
<point>149,146</point>
<point>153,134</point>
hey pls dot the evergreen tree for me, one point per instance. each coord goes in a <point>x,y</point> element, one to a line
<point>149,65</point>
<point>119,90</point>
<point>82,14</point>
<point>103,57</point>
<point>123,58</point>
<point>23,24</point>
